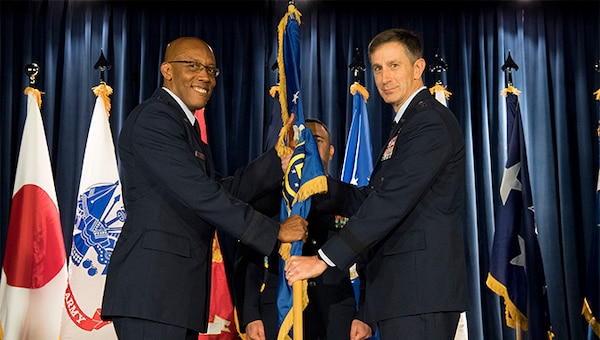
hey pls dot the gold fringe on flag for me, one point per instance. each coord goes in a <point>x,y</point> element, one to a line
<point>281,147</point>
<point>597,93</point>
<point>243,336</point>
<point>513,314</point>
<point>361,89</point>
<point>510,89</point>
<point>317,185</point>
<point>438,87</point>
<point>103,91</point>
<point>37,93</point>
<point>589,315</point>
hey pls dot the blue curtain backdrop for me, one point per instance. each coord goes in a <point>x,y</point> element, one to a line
<point>555,44</point>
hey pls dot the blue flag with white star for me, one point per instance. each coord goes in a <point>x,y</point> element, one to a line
<point>516,268</point>
<point>358,159</point>
<point>304,176</point>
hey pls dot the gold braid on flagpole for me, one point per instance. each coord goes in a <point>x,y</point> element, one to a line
<point>103,91</point>
<point>282,149</point>
<point>439,87</point>
<point>37,93</point>
<point>597,93</point>
<point>361,89</point>
<point>510,89</point>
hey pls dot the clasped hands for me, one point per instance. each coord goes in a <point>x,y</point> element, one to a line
<point>294,228</point>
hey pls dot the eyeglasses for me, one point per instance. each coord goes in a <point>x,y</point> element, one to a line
<point>195,66</point>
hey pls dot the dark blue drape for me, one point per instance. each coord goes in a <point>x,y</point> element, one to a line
<point>554,43</point>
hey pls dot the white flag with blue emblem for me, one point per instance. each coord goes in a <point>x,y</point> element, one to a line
<point>99,218</point>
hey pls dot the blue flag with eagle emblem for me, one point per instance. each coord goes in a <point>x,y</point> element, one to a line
<point>305,175</point>
<point>516,268</point>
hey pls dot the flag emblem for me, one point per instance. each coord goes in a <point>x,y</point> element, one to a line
<point>98,223</point>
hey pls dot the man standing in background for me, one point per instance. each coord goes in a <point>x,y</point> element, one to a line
<point>332,305</point>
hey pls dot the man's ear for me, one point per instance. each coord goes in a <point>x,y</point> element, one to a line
<point>331,152</point>
<point>166,71</point>
<point>419,68</point>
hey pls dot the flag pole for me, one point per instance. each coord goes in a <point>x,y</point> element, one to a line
<point>357,66</point>
<point>438,66</point>
<point>32,71</point>
<point>297,287</point>
<point>509,65</point>
<point>103,90</point>
<point>297,290</point>
<point>102,64</point>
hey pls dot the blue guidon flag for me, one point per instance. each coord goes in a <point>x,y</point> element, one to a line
<point>304,176</point>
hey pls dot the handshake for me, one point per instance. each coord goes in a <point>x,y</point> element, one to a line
<point>294,228</point>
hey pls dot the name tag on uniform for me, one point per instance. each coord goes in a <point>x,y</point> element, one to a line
<point>199,154</point>
<point>389,150</point>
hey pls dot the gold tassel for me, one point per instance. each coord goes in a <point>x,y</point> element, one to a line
<point>273,90</point>
<point>438,87</point>
<point>282,149</point>
<point>513,315</point>
<point>103,91</point>
<point>361,89</point>
<point>597,93</point>
<point>510,89</point>
<point>589,316</point>
<point>37,93</point>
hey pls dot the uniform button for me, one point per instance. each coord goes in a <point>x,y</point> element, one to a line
<point>313,241</point>
<point>312,284</point>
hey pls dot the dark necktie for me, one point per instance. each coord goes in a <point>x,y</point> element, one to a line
<point>394,128</point>
<point>197,129</point>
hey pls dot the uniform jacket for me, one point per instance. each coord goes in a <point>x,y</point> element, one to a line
<point>161,265</point>
<point>408,222</point>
